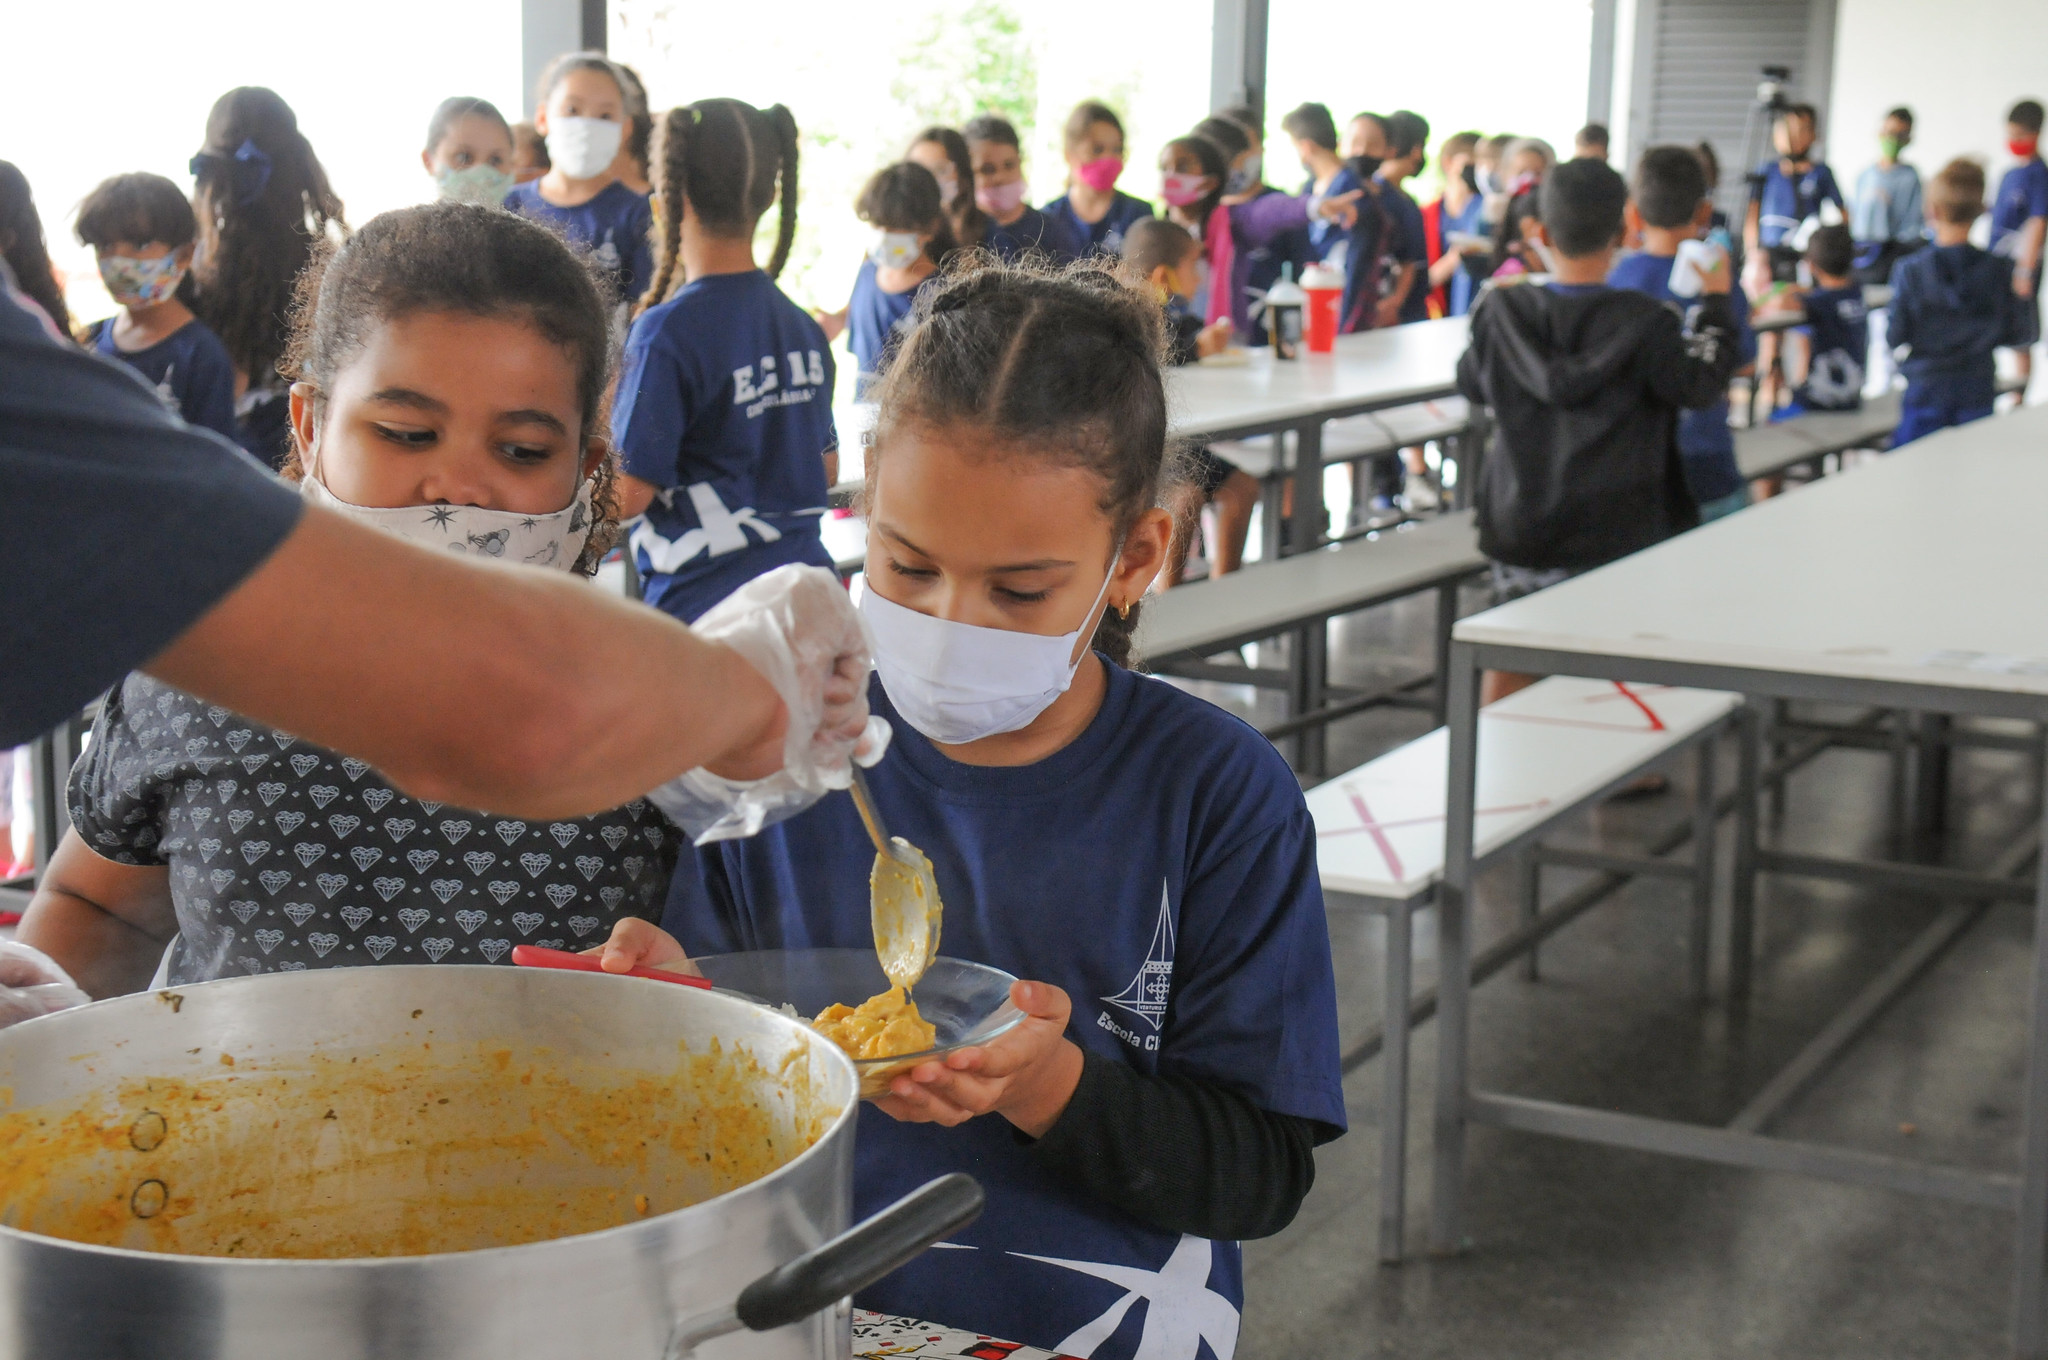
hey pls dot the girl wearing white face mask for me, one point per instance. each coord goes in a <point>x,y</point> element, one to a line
<point>451,362</point>
<point>585,114</point>
<point>1144,858</point>
<point>911,235</point>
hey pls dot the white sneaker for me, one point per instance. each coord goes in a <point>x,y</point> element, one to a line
<point>1419,493</point>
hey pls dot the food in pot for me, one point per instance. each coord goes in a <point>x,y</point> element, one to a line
<point>400,1151</point>
<point>884,1026</point>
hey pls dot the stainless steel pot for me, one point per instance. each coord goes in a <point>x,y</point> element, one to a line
<point>640,1291</point>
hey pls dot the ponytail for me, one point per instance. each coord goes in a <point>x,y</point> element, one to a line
<point>671,183</point>
<point>785,230</point>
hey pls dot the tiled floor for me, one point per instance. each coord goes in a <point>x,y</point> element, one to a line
<point>1588,1253</point>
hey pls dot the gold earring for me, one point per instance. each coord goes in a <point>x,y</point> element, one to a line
<point>1123,611</point>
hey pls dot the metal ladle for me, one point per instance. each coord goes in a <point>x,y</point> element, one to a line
<point>904,896</point>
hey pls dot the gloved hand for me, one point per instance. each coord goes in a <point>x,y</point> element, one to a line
<point>798,628</point>
<point>31,984</point>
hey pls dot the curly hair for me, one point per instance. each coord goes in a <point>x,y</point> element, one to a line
<point>472,261</point>
<point>263,203</point>
<point>23,246</point>
<point>730,162</point>
<point>1061,364</point>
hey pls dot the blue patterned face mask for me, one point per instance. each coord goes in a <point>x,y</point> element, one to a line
<point>135,282</point>
<point>554,540</point>
<point>481,183</point>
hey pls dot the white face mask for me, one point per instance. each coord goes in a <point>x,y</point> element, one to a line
<point>894,249</point>
<point>949,188</point>
<point>583,148</point>
<point>957,682</point>
<point>554,540</point>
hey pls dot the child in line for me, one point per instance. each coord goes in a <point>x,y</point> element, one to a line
<point>1454,228</point>
<point>1191,175</point>
<point>1407,300</point>
<point>469,152</point>
<point>1790,189</point>
<point>264,205</point>
<point>724,411</point>
<point>1952,306</point>
<point>142,229</point>
<point>2019,221</point>
<point>630,165</point>
<point>1165,255</point>
<point>1252,234</point>
<point>1586,382</point>
<point>1672,204</point>
<point>912,237</point>
<point>1589,143</point>
<point>1093,209</point>
<point>1314,134</point>
<point>27,253</point>
<point>450,366</point>
<point>1887,215</point>
<point>943,151</point>
<point>1142,857</point>
<point>1837,325</point>
<point>529,153</point>
<point>1014,227</point>
<point>583,113</point>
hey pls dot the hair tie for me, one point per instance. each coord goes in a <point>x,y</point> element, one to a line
<point>248,169</point>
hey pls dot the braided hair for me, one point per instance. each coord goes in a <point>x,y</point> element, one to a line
<point>730,162</point>
<point>1059,364</point>
<point>263,203</point>
<point>470,260</point>
<point>23,246</point>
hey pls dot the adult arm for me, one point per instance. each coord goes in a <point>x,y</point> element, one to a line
<point>1182,1154</point>
<point>506,688</point>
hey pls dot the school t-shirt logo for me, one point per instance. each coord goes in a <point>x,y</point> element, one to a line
<point>1145,999</point>
<point>758,388</point>
<point>720,531</point>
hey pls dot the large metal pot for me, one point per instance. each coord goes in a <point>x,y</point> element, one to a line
<point>631,1291</point>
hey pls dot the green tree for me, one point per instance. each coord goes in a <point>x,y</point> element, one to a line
<point>977,61</point>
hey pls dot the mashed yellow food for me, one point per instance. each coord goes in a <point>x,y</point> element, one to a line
<point>885,1026</point>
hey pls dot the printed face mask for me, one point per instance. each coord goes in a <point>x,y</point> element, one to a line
<point>141,283</point>
<point>1182,191</point>
<point>956,682</point>
<point>894,249</point>
<point>1000,200</point>
<point>583,148</point>
<point>1101,173</point>
<point>1245,177</point>
<point>485,184</point>
<point>554,540</point>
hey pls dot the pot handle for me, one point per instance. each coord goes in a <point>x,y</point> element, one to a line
<point>848,1263</point>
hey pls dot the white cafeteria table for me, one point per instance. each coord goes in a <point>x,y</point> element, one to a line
<point>1912,583</point>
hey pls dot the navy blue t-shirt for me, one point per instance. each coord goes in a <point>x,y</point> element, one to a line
<point>1107,235</point>
<point>614,225</point>
<point>1324,235</point>
<point>725,403</point>
<point>119,525</point>
<point>1704,439</point>
<point>1839,326</point>
<point>1407,243</point>
<point>190,370</point>
<point>875,318</point>
<point>1161,869</point>
<point>1784,201</point>
<point>1035,231</point>
<point>2022,194</point>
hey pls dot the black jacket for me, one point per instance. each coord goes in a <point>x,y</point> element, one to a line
<point>1585,389</point>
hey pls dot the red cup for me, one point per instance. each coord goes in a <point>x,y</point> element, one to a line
<point>1325,290</point>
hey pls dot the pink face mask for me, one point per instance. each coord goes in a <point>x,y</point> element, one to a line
<point>1100,174</point>
<point>1000,200</point>
<point>1183,190</point>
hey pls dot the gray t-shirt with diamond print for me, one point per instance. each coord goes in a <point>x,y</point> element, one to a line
<point>286,856</point>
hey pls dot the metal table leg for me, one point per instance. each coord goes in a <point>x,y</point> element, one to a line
<point>1394,1079</point>
<point>1454,988</point>
<point>1307,521</point>
<point>1705,818</point>
<point>1312,680</point>
<point>1930,792</point>
<point>1446,619</point>
<point>1742,883</point>
<point>1529,902</point>
<point>2030,1251</point>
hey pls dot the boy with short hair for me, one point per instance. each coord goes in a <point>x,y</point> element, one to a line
<point>142,229</point>
<point>1585,383</point>
<point>1952,306</point>
<point>1589,143</point>
<point>2019,220</point>
<point>1673,203</point>
<point>1837,327</point>
<point>1888,216</point>
<point>1407,296</point>
<point>1790,188</point>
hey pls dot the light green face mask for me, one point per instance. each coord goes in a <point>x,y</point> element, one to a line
<point>485,184</point>
<point>1890,147</point>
